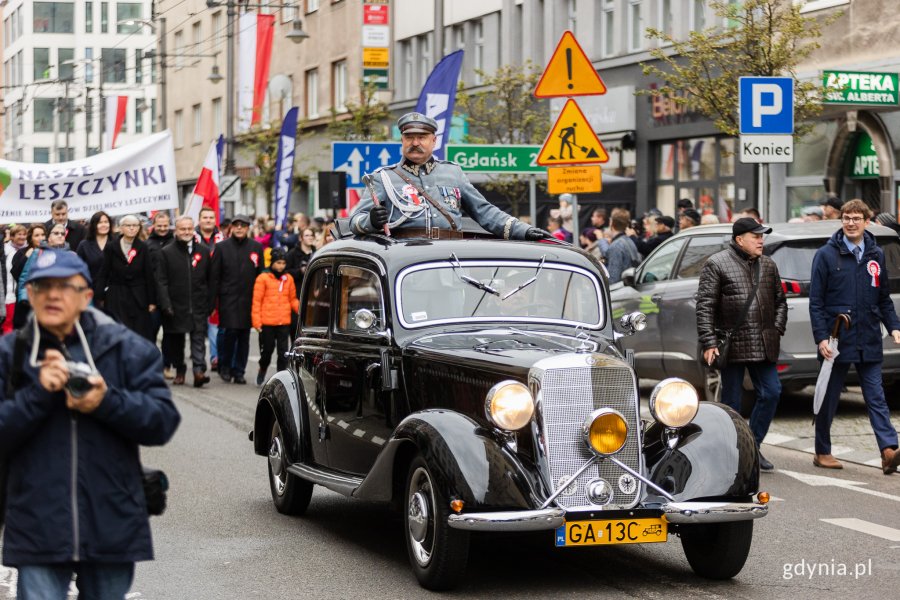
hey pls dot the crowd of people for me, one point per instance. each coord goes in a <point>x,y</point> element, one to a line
<point>207,283</point>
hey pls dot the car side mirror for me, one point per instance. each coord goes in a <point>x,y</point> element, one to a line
<point>628,277</point>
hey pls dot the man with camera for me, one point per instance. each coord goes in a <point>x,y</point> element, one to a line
<point>78,394</point>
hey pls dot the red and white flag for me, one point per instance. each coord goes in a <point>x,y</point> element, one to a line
<point>206,190</point>
<point>116,106</point>
<point>256,34</point>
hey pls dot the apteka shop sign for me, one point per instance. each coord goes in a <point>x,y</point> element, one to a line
<point>849,87</point>
<point>135,178</point>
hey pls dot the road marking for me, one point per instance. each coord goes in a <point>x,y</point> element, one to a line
<point>819,480</point>
<point>881,531</point>
<point>835,450</point>
<point>775,439</point>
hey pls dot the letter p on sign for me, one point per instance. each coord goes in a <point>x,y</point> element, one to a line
<point>766,105</point>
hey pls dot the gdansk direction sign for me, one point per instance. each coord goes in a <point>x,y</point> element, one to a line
<point>500,158</point>
<point>849,87</point>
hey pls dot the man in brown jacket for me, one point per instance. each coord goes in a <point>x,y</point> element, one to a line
<point>726,281</point>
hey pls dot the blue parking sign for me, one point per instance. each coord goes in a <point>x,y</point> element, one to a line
<point>358,158</point>
<point>766,105</point>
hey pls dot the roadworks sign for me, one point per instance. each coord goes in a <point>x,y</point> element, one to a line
<point>569,72</point>
<point>572,141</point>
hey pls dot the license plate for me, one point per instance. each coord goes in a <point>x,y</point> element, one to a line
<point>626,531</point>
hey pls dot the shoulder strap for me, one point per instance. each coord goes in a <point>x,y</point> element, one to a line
<point>431,200</point>
<point>750,298</point>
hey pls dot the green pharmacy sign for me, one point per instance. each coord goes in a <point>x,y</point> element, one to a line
<point>849,87</point>
<point>865,159</point>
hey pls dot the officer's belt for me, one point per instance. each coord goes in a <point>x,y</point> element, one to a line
<point>420,232</point>
<point>431,200</point>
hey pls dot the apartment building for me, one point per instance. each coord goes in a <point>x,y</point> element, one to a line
<point>60,59</point>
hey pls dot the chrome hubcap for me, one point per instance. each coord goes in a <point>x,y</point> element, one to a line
<point>276,460</point>
<point>420,516</point>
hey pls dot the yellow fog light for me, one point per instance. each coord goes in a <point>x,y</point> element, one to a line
<point>674,402</point>
<point>605,431</point>
<point>509,405</point>
<point>763,497</point>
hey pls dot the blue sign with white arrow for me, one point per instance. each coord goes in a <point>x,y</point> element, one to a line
<point>358,158</point>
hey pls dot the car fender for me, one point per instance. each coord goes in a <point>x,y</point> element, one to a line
<point>469,461</point>
<point>280,399</point>
<point>715,456</point>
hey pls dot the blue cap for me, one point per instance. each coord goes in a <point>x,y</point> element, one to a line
<point>59,264</point>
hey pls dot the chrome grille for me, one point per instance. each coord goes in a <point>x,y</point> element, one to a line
<point>568,396</point>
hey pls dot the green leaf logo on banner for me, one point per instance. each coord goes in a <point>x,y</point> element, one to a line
<point>5,179</point>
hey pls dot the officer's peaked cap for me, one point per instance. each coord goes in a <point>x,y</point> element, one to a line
<point>415,122</point>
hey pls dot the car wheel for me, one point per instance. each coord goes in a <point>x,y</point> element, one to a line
<point>719,550</point>
<point>437,553</point>
<point>291,494</point>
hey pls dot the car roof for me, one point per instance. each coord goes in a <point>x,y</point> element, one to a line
<point>784,232</point>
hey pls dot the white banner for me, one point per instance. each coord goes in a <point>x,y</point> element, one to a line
<point>246,69</point>
<point>136,178</point>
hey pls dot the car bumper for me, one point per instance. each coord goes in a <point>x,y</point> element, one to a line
<point>551,518</point>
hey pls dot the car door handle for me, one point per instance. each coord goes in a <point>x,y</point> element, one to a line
<point>655,298</point>
<point>291,355</point>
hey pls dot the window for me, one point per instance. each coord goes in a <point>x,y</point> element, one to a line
<point>317,300</point>
<point>153,127</point>
<point>128,11</point>
<point>359,289</point>
<point>179,128</point>
<point>43,114</point>
<point>65,58</point>
<point>41,63</point>
<point>195,37</point>
<point>179,49</point>
<point>312,93</point>
<point>666,18</point>
<point>425,56</point>
<point>699,249</point>
<point>814,5</point>
<point>104,17</point>
<point>197,118</point>
<point>41,155</point>
<point>339,85</point>
<point>289,13</point>
<point>113,60</point>
<point>312,6</point>
<point>89,17</point>
<point>89,65</point>
<point>218,116</point>
<point>608,28</point>
<point>479,51</point>
<point>698,15</point>
<point>659,266</point>
<point>635,26</point>
<point>54,17</point>
<point>407,54</point>
<point>140,105</point>
<point>138,66</point>
<point>89,114</point>
<point>571,13</point>
<point>218,27</point>
<point>65,154</point>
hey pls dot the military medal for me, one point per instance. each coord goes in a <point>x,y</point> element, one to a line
<point>874,270</point>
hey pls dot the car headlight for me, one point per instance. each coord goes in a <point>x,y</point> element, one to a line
<point>509,405</point>
<point>674,402</point>
<point>605,431</point>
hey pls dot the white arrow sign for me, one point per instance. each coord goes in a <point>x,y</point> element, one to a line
<point>385,157</point>
<point>820,481</point>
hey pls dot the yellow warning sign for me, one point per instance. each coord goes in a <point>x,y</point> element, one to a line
<point>572,141</point>
<point>569,72</point>
<point>574,180</point>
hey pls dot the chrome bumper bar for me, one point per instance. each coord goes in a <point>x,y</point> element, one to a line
<point>551,518</point>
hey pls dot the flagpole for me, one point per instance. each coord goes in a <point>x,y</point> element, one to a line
<point>229,104</point>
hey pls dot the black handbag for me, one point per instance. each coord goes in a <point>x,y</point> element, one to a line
<point>723,337</point>
<point>156,484</point>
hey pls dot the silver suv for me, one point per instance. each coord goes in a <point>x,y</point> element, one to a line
<point>664,287</point>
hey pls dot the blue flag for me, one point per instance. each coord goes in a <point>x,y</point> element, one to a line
<point>438,96</point>
<point>284,167</point>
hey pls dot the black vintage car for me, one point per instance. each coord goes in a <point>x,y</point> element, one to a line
<point>479,386</point>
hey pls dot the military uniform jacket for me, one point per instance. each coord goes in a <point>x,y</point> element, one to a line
<point>446,183</point>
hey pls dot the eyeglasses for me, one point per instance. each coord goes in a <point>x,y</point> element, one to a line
<point>854,220</point>
<point>62,233</point>
<point>130,225</point>
<point>42,286</point>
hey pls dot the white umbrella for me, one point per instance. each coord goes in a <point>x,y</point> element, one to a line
<point>828,363</point>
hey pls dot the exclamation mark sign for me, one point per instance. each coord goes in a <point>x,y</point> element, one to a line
<point>569,66</point>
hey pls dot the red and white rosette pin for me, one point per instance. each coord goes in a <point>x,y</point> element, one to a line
<point>254,258</point>
<point>874,270</point>
<point>412,193</point>
<point>196,259</point>
<point>131,254</point>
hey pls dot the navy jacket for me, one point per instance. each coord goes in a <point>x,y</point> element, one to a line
<point>840,285</point>
<point>75,491</point>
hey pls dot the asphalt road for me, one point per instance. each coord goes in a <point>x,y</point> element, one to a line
<point>222,539</point>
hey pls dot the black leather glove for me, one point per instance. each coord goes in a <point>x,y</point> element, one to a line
<point>378,216</point>
<point>535,234</point>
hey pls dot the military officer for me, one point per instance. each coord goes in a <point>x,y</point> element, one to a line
<point>426,197</point>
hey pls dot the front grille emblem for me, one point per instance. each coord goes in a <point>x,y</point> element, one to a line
<point>571,486</point>
<point>627,484</point>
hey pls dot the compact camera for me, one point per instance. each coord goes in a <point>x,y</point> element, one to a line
<point>78,384</point>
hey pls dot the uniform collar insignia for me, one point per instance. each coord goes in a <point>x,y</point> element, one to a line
<point>413,168</point>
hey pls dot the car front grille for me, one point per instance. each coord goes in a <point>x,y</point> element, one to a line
<point>568,396</point>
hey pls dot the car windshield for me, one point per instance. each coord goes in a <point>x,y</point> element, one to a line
<point>794,259</point>
<point>438,292</point>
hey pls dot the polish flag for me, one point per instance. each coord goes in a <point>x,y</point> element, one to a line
<point>115,118</point>
<point>255,58</point>
<point>206,190</point>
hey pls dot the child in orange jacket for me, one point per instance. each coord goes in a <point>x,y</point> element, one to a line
<point>274,297</point>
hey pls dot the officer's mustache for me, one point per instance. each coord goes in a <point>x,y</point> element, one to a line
<point>416,149</point>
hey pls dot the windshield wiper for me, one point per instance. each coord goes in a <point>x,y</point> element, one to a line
<point>528,282</point>
<point>471,281</point>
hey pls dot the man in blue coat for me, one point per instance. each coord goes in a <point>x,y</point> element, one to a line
<point>849,277</point>
<point>70,433</point>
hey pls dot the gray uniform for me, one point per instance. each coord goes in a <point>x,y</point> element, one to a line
<point>446,183</point>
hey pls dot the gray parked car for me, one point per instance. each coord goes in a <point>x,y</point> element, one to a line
<point>664,287</point>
